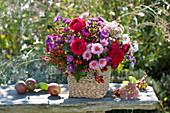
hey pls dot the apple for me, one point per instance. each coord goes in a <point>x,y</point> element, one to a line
<point>54,89</point>
<point>21,87</point>
<point>30,82</point>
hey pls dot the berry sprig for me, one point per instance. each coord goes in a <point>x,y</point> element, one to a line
<point>99,79</point>
<point>141,84</point>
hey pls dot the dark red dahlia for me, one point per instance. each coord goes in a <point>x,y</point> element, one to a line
<point>126,47</point>
<point>117,55</point>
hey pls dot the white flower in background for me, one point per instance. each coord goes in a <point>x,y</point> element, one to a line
<point>136,47</point>
<point>3,51</point>
<point>24,47</point>
<point>124,8</point>
<point>126,38</point>
<point>26,6</point>
<point>160,43</point>
<point>41,14</point>
<point>57,4</point>
<point>50,2</point>
<point>160,11</point>
<point>112,13</point>
<point>132,64</point>
<point>24,57</point>
<point>141,14</point>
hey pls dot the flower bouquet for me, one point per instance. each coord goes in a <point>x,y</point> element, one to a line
<point>87,50</point>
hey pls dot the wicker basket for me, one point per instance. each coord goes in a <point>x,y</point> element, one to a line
<point>88,87</point>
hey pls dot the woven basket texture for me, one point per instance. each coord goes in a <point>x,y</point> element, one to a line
<point>88,87</point>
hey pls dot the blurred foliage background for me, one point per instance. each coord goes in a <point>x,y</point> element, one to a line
<point>24,25</point>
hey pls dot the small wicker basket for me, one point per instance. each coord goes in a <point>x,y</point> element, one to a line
<point>88,87</point>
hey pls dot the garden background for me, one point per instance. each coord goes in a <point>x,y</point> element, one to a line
<point>24,25</point>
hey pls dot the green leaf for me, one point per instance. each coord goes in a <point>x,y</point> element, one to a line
<point>132,79</point>
<point>66,48</point>
<point>125,82</point>
<point>78,73</point>
<point>165,99</point>
<point>43,86</point>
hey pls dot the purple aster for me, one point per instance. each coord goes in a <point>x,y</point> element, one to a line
<point>97,48</point>
<point>128,58</point>
<point>105,31</point>
<point>49,47</point>
<point>64,19</point>
<point>59,39</point>
<point>102,62</point>
<point>104,42</point>
<point>54,46</point>
<point>48,39</point>
<point>56,19</point>
<point>71,68</point>
<point>93,64</point>
<point>108,40</point>
<point>103,37</point>
<point>95,38</point>
<point>109,61</point>
<point>87,55</point>
<point>70,58</point>
<point>68,21</point>
<point>85,32</point>
<point>88,26</point>
<point>54,37</point>
<point>69,38</point>
<point>100,19</point>
<point>66,29</point>
<point>89,22</point>
<point>93,19</point>
<point>99,23</point>
<point>134,59</point>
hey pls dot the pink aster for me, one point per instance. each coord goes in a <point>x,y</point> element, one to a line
<point>97,48</point>
<point>93,64</point>
<point>89,46</point>
<point>104,42</point>
<point>102,62</point>
<point>87,55</point>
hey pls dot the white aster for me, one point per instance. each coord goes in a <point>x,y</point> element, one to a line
<point>126,38</point>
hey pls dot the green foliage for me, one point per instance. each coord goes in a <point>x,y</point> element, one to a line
<point>78,72</point>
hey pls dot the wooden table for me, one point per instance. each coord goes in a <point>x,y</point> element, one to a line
<point>41,102</point>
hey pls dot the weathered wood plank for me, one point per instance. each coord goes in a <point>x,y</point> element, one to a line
<point>41,102</point>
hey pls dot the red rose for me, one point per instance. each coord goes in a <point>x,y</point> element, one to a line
<point>117,55</point>
<point>78,46</point>
<point>115,45</point>
<point>126,47</point>
<point>77,24</point>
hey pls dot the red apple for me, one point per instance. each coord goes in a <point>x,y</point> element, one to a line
<point>30,84</point>
<point>54,89</point>
<point>21,87</point>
